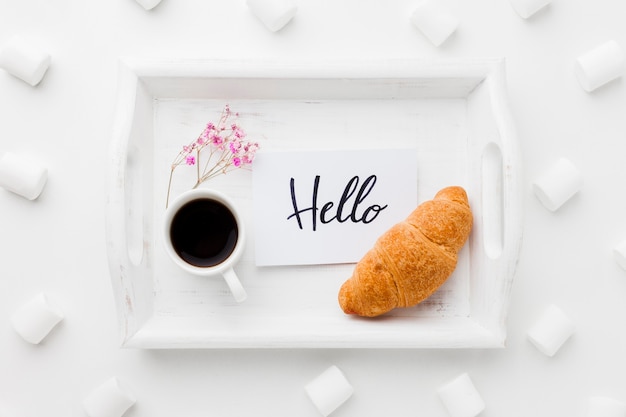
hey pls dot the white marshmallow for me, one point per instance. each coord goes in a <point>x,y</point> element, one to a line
<point>558,184</point>
<point>600,65</point>
<point>329,390</point>
<point>619,252</point>
<point>436,24</point>
<point>23,60</point>
<point>274,14</point>
<point>461,398</point>
<point>527,8</point>
<point>148,4</point>
<point>35,319</point>
<point>108,400</point>
<point>551,330</point>
<point>22,176</point>
<point>605,407</point>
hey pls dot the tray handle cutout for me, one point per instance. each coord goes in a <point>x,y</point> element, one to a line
<point>492,200</point>
<point>133,205</point>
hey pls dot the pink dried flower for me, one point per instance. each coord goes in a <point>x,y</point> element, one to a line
<point>224,147</point>
<point>217,140</point>
<point>251,147</point>
<point>235,146</point>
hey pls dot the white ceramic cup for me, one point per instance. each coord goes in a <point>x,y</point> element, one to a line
<point>208,248</point>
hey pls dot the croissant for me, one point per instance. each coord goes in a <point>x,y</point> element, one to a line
<point>411,259</point>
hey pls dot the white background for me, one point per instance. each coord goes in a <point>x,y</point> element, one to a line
<point>57,245</point>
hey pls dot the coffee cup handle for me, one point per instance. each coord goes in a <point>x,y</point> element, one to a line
<point>239,293</point>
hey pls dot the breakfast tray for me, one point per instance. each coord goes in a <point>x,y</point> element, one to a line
<point>454,113</point>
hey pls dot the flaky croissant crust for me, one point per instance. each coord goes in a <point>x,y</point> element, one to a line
<point>412,259</point>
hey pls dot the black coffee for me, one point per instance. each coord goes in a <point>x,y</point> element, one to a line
<point>204,232</point>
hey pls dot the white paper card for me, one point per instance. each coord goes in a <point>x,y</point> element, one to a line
<point>328,207</point>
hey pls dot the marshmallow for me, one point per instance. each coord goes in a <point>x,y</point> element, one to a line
<point>329,390</point>
<point>605,407</point>
<point>527,8</point>
<point>619,252</point>
<point>24,60</point>
<point>35,319</point>
<point>551,330</point>
<point>274,14</point>
<point>460,397</point>
<point>558,184</point>
<point>600,65</point>
<point>436,24</point>
<point>21,176</point>
<point>108,400</point>
<point>149,4</point>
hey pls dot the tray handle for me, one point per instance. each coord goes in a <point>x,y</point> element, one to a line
<point>502,182</point>
<point>124,177</point>
<point>121,263</point>
<point>492,201</point>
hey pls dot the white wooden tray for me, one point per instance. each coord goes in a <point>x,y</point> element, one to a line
<point>455,114</point>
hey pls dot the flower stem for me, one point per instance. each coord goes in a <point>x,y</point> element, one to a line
<point>198,165</point>
<point>169,187</point>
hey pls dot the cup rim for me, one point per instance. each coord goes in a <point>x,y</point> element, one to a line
<point>196,194</point>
